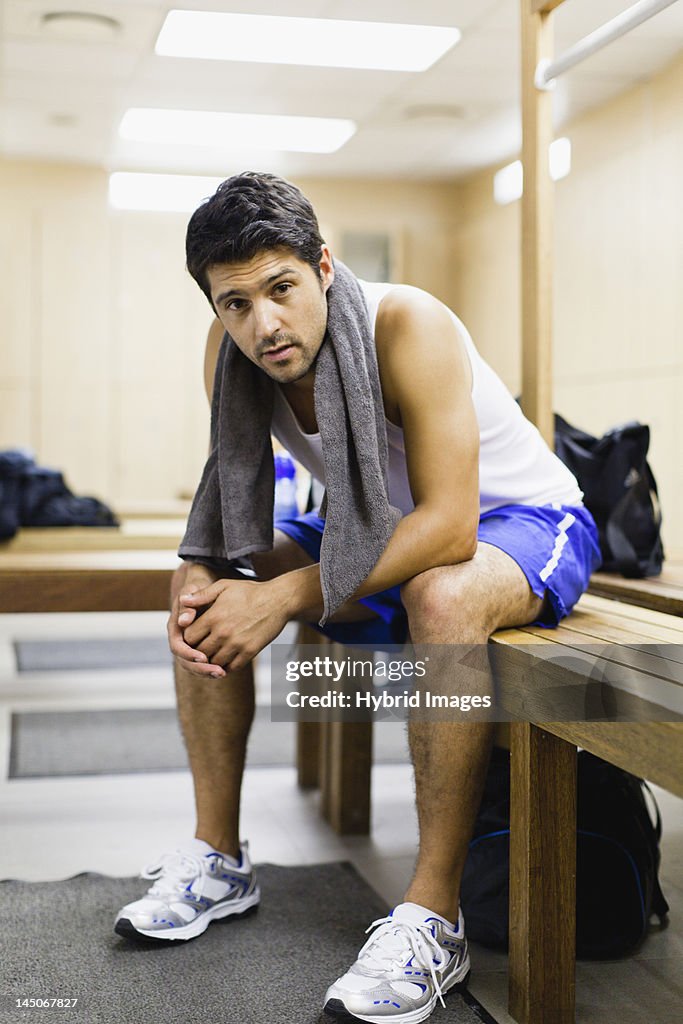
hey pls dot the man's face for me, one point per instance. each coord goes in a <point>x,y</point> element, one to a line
<point>275,308</point>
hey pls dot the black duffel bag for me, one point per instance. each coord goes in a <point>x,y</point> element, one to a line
<point>617,860</point>
<point>619,491</point>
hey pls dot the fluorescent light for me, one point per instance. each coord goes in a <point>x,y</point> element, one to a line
<point>508,183</point>
<point>319,42</point>
<point>178,193</point>
<point>235,132</point>
<point>560,158</point>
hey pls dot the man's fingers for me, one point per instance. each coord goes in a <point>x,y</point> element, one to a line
<point>176,641</point>
<point>203,671</point>
<point>197,631</point>
<point>191,659</point>
<point>187,617</point>
<point>199,598</point>
<point>180,649</point>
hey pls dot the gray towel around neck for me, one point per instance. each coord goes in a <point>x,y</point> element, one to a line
<point>232,512</point>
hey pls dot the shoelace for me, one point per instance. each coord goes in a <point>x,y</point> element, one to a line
<point>393,939</point>
<point>172,871</point>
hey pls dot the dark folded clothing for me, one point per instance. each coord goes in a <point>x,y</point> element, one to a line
<point>32,495</point>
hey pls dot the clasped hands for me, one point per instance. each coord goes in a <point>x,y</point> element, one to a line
<point>217,627</point>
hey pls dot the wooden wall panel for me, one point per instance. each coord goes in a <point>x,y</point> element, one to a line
<point>75,332</point>
<point>16,415</point>
<point>18,280</point>
<point>18,347</point>
<point>160,324</point>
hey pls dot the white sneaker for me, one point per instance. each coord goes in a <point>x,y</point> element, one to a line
<point>411,960</point>
<point>193,886</point>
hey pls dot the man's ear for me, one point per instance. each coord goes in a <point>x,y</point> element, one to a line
<point>326,267</point>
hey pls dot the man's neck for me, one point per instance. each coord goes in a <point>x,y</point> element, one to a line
<point>299,396</point>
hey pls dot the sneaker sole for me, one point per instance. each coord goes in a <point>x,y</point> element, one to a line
<point>237,908</point>
<point>335,1007</point>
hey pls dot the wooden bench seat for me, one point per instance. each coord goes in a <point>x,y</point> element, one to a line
<point>86,581</point>
<point>543,776</point>
<point>81,569</point>
<point>662,593</point>
<point>150,533</point>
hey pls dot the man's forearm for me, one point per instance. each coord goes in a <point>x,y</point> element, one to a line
<point>418,543</point>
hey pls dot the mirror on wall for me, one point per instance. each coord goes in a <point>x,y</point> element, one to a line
<point>369,254</point>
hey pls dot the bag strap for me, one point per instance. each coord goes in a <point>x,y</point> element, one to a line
<point>566,431</point>
<point>623,551</point>
<point>659,905</point>
<point>657,823</point>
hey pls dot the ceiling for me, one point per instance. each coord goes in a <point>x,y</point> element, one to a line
<point>62,98</point>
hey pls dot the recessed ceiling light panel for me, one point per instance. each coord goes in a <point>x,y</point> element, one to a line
<point>318,42</point>
<point>236,132</point>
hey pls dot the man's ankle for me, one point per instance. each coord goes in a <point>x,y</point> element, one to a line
<point>220,842</point>
<point>444,904</point>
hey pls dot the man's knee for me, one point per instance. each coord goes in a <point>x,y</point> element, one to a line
<point>436,597</point>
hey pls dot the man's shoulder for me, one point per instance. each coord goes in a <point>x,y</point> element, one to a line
<point>404,302</point>
<point>410,317</point>
<point>416,336</point>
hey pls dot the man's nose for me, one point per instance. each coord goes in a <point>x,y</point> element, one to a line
<point>267,319</point>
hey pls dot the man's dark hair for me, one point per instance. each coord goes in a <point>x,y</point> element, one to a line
<point>248,214</point>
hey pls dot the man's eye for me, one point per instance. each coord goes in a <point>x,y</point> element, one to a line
<point>282,288</point>
<point>235,304</point>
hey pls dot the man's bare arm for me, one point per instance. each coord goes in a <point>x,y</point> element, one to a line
<point>213,343</point>
<point>196,577</point>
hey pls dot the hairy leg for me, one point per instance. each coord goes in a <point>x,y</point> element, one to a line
<point>460,604</point>
<point>216,715</point>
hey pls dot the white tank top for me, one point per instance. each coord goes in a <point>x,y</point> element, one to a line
<point>516,466</point>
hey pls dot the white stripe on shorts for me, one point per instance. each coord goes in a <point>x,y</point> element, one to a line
<point>560,541</point>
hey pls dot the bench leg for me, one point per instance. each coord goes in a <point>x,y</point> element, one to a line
<point>542,877</point>
<point>308,754</point>
<point>346,761</point>
<point>337,757</point>
<point>308,734</point>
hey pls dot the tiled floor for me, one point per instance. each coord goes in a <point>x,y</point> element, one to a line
<point>57,827</point>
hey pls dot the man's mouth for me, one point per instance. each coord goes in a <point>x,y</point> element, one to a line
<point>275,355</point>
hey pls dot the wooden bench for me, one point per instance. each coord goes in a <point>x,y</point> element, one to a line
<point>543,754</point>
<point>86,581</point>
<point>543,790</point>
<point>337,756</point>
<point>82,569</point>
<point>162,533</point>
<point>663,593</point>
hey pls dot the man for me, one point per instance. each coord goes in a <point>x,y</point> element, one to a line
<point>492,534</point>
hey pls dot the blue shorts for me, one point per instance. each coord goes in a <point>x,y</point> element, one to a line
<point>555,546</point>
